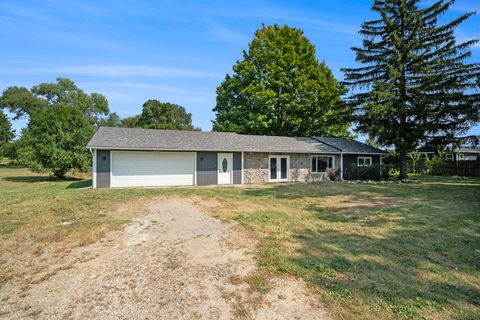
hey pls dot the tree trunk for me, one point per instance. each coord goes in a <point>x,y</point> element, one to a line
<point>403,163</point>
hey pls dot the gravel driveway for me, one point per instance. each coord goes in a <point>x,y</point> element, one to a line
<point>176,262</point>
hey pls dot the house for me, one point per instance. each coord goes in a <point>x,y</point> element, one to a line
<point>124,157</point>
<point>463,154</point>
<point>454,154</point>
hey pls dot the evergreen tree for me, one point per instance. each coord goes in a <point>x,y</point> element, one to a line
<point>280,88</point>
<point>417,85</point>
<point>6,131</point>
<point>6,134</point>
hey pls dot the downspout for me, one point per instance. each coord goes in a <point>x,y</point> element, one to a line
<point>341,166</point>
<point>381,163</point>
<point>243,167</point>
<point>94,167</point>
<point>341,154</point>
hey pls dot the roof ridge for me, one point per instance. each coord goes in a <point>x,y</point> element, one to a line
<point>214,132</point>
<point>318,139</point>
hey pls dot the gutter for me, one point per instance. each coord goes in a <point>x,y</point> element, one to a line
<point>212,150</point>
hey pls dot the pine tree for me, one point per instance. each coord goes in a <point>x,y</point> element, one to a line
<point>6,131</point>
<point>417,85</point>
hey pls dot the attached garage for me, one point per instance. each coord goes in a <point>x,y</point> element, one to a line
<point>148,169</point>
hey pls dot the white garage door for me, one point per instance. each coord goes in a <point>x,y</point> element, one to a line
<point>149,169</point>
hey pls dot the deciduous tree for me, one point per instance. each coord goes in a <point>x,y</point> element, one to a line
<point>54,140</point>
<point>165,115</point>
<point>280,88</point>
<point>24,102</point>
<point>61,120</point>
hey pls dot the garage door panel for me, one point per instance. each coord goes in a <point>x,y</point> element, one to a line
<point>152,168</point>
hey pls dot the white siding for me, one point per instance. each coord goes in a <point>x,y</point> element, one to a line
<point>149,169</point>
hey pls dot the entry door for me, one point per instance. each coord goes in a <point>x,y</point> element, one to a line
<point>279,167</point>
<point>225,168</point>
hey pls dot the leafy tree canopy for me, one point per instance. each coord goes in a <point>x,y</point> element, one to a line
<point>111,120</point>
<point>24,102</point>
<point>54,140</point>
<point>155,115</point>
<point>280,88</point>
<point>160,115</point>
<point>416,85</point>
<point>131,122</point>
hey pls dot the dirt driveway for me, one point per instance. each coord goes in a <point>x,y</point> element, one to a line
<point>174,263</point>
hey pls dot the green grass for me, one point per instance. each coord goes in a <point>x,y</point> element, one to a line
<point>370,251</point>
<point>172,265</point>
<point>258,283</point>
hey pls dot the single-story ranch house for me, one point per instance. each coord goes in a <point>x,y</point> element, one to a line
<point>125,157</point>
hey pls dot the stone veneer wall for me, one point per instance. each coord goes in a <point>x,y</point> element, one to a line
<point>256,167</point>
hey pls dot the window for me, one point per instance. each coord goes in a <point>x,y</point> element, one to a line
<point>224,165</point>
<point>283,168</point>
<point>273,168</point>
<point>461,156</point>
<point>364,161</point>
<point>321,163</point>
<point>449,157</point>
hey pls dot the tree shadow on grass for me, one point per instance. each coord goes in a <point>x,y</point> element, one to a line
<point>408,249</point>
<point>417,265</point>
<point>81,184</point>
<point>30,179</point>
<point>418,190</point>
<point>35,179</point>
<point>297,190</point>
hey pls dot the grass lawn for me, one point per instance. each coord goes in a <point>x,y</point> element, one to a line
<point>370,251</point>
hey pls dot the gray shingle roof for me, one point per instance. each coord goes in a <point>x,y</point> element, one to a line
<point>349,146</point>
<point>174,140</point>
<point>468,150</point>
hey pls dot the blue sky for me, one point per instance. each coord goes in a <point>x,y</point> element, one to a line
<point>175,51</point>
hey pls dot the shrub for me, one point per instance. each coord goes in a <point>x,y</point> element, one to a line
<point>434,162</point>
<point>373,172</point>
<point>333,174</point>
<point>389,170</point>
<point>9,150</point>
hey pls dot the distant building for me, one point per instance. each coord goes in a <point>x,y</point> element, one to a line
<point>463,154</point>
<point>455,154</point>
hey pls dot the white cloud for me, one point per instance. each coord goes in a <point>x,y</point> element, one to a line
<point>280,15</point>
<point>225,34</point>
<point>114,71</point>
<point>325,25</point>
<point>464,6</point>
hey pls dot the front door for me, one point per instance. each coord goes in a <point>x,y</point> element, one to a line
<point>279,167</point>
<point>225,168</point>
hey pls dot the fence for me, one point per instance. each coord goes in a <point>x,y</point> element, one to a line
<point>448,168</point>
<point>419,167</point>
